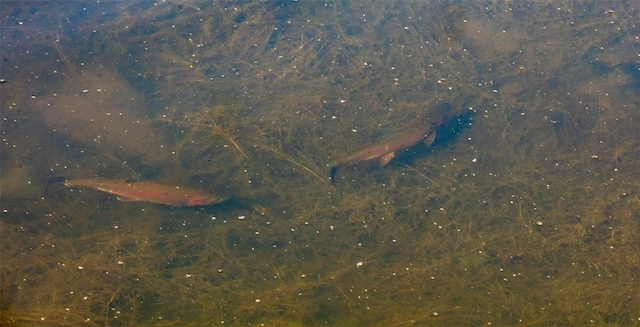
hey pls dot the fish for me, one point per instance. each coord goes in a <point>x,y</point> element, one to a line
<point>167,194</point>
<point>422,128</point>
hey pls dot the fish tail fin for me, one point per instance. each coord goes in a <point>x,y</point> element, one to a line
<point>332,174</point>
<point>248,205</point>
<point>54,183</point>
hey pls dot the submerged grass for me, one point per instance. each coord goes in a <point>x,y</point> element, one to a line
<point>524,211</point>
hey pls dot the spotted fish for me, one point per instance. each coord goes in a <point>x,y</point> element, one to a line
<point>422,128</point>
<point>167,194</point>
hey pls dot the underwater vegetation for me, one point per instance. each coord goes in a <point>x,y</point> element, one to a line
<point>525,209</point>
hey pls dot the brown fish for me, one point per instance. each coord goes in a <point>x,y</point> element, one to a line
<point>171,195</point>
<point>422,128</point>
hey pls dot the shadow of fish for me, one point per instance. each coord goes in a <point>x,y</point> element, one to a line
<point>422,128</point>
<point>167,194</point>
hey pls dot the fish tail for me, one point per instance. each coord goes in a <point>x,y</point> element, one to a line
<point>332,174</point>
<point>248,205</point>
<point>54,183</point>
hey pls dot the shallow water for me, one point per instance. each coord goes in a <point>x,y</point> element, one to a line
<point>525,210</point>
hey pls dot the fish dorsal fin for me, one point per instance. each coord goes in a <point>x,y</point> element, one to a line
<point>384,160</point>
<point>429,139</point>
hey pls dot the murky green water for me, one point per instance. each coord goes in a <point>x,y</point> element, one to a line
<point>525,211</point>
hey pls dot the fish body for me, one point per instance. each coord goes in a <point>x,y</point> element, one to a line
<point>171,195</point>
<point>420,129</point>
